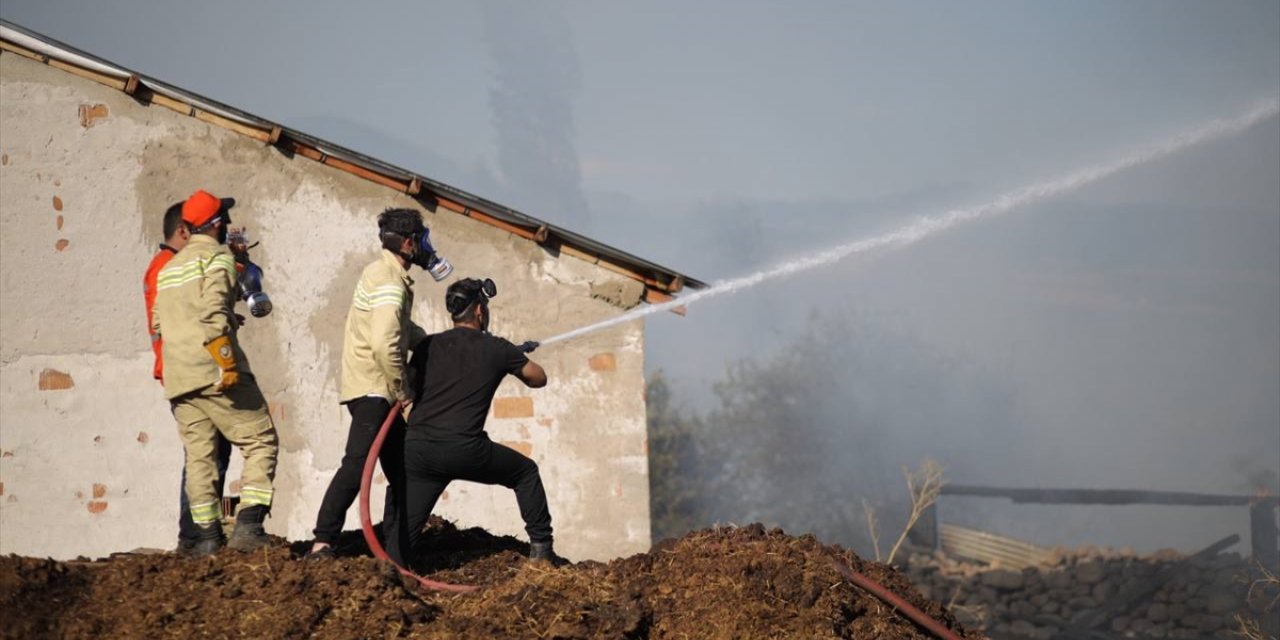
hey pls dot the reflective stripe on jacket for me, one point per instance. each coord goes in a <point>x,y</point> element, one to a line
<point>195,295</point>
<point>379,332</point>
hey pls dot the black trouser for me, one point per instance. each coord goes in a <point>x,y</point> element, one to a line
<point>430,466</point>
<point>367,415</point>
<point>187,529</point>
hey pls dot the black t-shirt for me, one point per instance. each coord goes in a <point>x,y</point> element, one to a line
<point>454,376</point>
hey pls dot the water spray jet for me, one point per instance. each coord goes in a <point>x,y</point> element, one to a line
<point>929,225</point>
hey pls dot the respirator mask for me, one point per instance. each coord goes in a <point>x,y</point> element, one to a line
<point>249,275</point>
<point>428,259</point>
<point>251,290</point>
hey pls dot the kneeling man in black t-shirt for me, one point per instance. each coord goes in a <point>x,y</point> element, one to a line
<point>455,374</point>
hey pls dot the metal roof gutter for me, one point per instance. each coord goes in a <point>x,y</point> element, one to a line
<point>660,282</point>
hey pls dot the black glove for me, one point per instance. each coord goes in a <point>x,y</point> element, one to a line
<point>528,346</point>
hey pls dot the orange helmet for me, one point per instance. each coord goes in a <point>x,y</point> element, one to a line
<point>203,209</point>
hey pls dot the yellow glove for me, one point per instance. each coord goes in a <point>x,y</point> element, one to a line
<point>225,357</point>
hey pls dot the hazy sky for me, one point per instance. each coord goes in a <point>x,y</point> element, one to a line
<point>1135,324</point>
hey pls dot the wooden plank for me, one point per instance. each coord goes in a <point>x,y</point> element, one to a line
<point>501,224</point>
<point>305,151</point>
<point>100,78</point>
<point>1103,496</point>
<point>169,103</point>
<point>226,123</point>
<point>22,51</point>
<point>362,172</point>
<point>653,296</point>
<point>606,264</point>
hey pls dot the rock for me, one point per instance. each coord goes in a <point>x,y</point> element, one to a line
<point>1081,603</point>
<point>1140,626</point>
<point>1024,610</point>
<point>1158,612</point>
<point>1058,580</point>
<point>1022,628</point>
<point>1103,591</point>
<point>1119,624</point>
<point>1223,603</point>
<point>1210,623</point>
<point>1003,579</point>
<point>1091,573</point>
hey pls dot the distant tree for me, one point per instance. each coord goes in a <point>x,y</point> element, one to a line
<point>801,438</point>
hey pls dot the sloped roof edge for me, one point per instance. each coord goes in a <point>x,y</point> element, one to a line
<point>660,282</point>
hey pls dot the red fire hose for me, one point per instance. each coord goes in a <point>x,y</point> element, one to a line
<point>366,523</point>
<point>893,600</point>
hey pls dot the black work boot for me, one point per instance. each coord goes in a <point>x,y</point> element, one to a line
<point>248,534</point>
<point>209,542</point>
<point>185,546</point>
<point>544,552</point>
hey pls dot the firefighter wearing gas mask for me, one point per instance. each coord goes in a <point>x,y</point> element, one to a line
<point>207,378</point>
<point>378,337</point>
<point>455,375</point>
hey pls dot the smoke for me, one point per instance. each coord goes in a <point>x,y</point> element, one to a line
<point>537,76</point>
<point>1125,336</point>
<point>927,226</point>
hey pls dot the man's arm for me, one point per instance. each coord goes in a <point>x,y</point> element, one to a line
<point>214,317</point>
<point>386,307</point>
<point>219,280</point>
<point>154,312</point>
<point>532,375</point>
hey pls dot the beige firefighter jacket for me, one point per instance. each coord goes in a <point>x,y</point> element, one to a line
<point>195,297</point>
<point>379,332</point>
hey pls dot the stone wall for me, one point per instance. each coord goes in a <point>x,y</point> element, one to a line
<point>90,456</point>
<point>1202,600</point>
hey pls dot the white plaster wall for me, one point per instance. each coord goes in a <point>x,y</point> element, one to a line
<point>70,302</point>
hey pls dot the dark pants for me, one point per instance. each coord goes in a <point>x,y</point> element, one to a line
<point>187,529</point>
<point>367,415</point>
<point>431,465</point>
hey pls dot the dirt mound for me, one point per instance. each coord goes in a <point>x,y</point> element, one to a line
<point>719,583</point>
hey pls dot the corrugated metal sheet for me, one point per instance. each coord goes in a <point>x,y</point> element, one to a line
<point>989,548</point>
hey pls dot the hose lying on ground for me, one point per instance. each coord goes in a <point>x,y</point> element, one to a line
<point>366,523</point>
<point>893,600</point>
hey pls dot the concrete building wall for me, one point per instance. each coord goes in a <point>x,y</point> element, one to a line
<point>90,456</point>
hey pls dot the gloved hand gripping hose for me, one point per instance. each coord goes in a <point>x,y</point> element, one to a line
<point>366,523</point>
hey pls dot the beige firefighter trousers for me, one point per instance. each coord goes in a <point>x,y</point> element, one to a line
<point>240,414</point>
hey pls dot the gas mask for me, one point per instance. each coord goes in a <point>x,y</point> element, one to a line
<point>428,259</point>
<point>249,275</point>
<point>251,289</point>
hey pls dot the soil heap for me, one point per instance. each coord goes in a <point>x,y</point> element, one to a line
<point>717,583</point>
